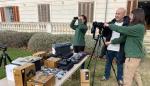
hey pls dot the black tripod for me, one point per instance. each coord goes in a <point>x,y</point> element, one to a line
<point>98,40</point>
<point>4,56</point>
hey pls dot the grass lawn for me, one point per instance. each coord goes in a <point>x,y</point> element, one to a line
<point>75,80</point>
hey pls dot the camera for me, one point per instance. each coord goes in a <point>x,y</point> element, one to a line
<point>75,17</point>
<point>3,47</point>
<point>98,25</point>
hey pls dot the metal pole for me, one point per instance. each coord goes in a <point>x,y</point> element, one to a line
<point>106,8</point>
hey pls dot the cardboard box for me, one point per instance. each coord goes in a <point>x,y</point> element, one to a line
<point>42,80</point>
<point>85,84</point>
<point>23,73</point>
<point>51,62</point>
<point>42,54</point>
<point>85,76</point>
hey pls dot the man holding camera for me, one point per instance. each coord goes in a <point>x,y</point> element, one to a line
<point>117,48</point>
<point>80,31</point>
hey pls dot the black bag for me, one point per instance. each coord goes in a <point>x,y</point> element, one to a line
<point>37,64</point>
<point>63,62</point>
<point>67,67</point>
<point>61,49</point>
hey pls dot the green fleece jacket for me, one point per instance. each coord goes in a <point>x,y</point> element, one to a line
<point>80,30</point>
<point>134,40</point>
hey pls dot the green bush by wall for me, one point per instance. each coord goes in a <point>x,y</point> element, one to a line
<point>15,39</point>
<point>44,41</point>
<point>39,41</point>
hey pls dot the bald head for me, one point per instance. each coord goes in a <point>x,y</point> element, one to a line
<point>120,13</point>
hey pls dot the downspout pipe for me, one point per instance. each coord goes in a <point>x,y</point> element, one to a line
<point>106,10</point>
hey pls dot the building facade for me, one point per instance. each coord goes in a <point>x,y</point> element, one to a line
<point>58,10</point>
<point>55,15</point>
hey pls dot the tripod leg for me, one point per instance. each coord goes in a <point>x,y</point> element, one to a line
<point>115,73</point>
<point>1,60</point>
<point>92,54</point>
<point>5,60</point>
<point>94,72</point>
<point>8,57</point>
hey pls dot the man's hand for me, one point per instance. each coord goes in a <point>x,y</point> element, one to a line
<point>106,25</point>
<point>107,43</point>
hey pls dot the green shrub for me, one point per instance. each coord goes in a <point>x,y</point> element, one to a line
<point>15,39</point>
<point>40,41</point>
<point>44,41</point>
<point>62,38</point>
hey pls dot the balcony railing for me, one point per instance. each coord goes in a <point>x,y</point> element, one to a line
<point>54,27</point>
<point>25,27</point>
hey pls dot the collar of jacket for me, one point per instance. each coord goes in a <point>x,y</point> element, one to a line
<point>126,21</point>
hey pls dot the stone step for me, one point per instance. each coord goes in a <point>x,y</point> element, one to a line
<point>146,42</point>
<point>147,45</point>
<point>146,37</point>
<point>148,51</point>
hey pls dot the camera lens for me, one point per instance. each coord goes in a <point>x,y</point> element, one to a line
<point>75,17</point>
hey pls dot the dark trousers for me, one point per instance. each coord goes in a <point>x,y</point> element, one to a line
<point>109,57</point>
<point>78,49</point>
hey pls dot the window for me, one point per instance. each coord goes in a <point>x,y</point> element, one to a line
<point>44,12</point>
<point>86,8</point>
<point>128,7</point>
<point>15,12</point>
<point>10,14</point>
<point>135,4</point>
<point>131,5</point>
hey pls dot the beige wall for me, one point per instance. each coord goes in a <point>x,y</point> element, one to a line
<point>64,10</point>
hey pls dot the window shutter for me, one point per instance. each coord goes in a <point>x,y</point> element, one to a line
<point>2,14</point>
<point>15,13</point>
<point>44,12</point>
<point>135,4</point>
<point>128,8</point>
<point>131,5</point>
<point>87,9</point>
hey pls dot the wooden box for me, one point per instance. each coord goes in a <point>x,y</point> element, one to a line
<point>51,62</point>
<point>23,73</point>
<point>42,80</point>
<point>85,75</point>
<point>85,84</point>
<point>42,54</point>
